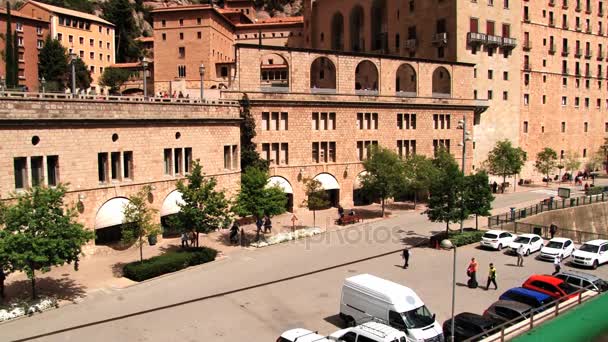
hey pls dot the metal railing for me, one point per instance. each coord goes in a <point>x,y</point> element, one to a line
<point>543,206</point>
<point>111,98</point>
<point>516,326</point>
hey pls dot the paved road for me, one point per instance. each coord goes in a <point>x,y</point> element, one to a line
<point>263,292</point>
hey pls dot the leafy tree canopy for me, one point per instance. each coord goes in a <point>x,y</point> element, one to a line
<point>120,13</point>
<point>478,195</point>
<point>53,64</point>
<point>139,220</point>
<point>446,191</point>
<point>505,160</point>
<point>546,161</point>
<point>384,176</point>
<point>255,198</point>
<point>419,173</point>
<point>114,78</point>
<point>316,197</point>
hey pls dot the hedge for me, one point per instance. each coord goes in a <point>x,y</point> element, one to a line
<point>466,238</point>
<point>168,262</point>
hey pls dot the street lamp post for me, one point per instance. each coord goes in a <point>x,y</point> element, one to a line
<point>466,136</point>
<point>73,57</point>
<point>42,83</point>
<point>201,71</point>
<point>447,244</point>
<point>144,65</point>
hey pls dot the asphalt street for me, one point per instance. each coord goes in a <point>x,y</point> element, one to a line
<point>255,294</point>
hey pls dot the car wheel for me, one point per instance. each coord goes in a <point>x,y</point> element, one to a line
<point>527,252</point>
<point>595,264</point>
<point>499,246</point>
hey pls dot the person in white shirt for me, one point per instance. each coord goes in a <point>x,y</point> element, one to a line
<point>520,256</point>
<point>557,263</point>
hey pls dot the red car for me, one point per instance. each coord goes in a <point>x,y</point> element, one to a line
<point>549,285</point>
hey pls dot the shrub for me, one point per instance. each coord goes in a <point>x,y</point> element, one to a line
<point>167,263</point>
<point>466,238</point>
<point>594,190</point>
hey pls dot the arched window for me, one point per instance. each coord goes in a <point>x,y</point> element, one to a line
<point>356,23</point>
<point>274,73</point>
<point>442,83</point>
<point>337,32</point>
<point>366,78</point>
<point>405,81</point>
<point>323,76</point>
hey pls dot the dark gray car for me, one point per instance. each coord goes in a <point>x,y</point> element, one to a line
<point>583,280</point>
<point>504,311</point>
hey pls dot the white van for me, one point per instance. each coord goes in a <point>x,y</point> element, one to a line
<point>365,296</point>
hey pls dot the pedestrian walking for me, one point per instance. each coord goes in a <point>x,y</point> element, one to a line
<point>267,225</point>
<point>520,256</point>
<point>406,257</point>
<point>340,211</point>
<point>472,273</point>
<point>193,238</point>
<point>234,233</point>
<point>258,223</point>
<point>552,230</point>
<point>492,277</point>
<point>184,239</point>
<point>2,278</point>
<point>557,264</point>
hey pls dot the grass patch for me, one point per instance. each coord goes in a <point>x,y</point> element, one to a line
<point>169,262</point>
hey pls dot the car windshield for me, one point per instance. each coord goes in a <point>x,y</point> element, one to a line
<point>490,236</point>
<point>569,289</point>
<point>418,318</point>
<point>601,285</point>
<point>589,248</point>
<point>555,244</point>
<point>523,240</point>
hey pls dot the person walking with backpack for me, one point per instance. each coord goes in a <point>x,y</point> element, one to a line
<point>492,277</point>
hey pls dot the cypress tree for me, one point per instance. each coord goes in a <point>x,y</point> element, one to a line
<point>9,49</point>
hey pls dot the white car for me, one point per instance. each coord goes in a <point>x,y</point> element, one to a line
<point>370,331</point>
<point>497,239</point>
<point>557,246</point>
<point>530,242</point>
<point>301,335</point>
<point>591,253</point>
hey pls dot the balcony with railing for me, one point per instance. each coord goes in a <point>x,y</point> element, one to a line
<point>578,52</point>
<point>565,51</point>
<point>588,54</point>
<point>493,41</point>
<point>527,45</point>
<point>552,49</point>
<point>476,38</point>
<point>411,44</point>
<point>440,39</point>
<point>509,43</point>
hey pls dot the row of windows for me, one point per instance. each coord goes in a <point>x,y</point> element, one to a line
<point>115,166</point>
<point>35,171</point>
<point>564,101</point>
<point>577,82</point>
<point>552,21</point>
<point>563,127</point>
<point>81,41</point>
<point>324,121</point>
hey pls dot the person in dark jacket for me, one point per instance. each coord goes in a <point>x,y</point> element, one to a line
<point>267,225</point>
<point>406,257</point>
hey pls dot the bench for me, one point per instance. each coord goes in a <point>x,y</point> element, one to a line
<point>348,219</point>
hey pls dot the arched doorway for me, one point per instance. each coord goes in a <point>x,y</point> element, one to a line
<point>337,32</point>
<point>170,207</point>
<point>109,221</point>
<point>359,198</point>
<point>356,23</point>
<point>366,77</point>
<point>323,75</point>
<point>442,83</point>
<point>274,73</point>
<point>286,187</point>
<point>330,184</point>
<point>405,81</point>
<point>379,26</point>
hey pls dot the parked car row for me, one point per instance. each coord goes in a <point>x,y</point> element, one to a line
<point>537,293</point>
<point>591,254</point>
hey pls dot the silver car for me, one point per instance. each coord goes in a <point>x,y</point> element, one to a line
<point>504,311</point>
<point>583,280</point>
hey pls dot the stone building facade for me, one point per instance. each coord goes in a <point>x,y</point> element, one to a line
<point>31,33</point>
<point>108,150</point>
<point>315,122</point>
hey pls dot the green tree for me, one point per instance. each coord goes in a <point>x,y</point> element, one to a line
<point>546,161</point>
<point>505,160</point>
<point>53,64</point>
<point>40,233</point>
<point>120,13</point>
<point>249,155</point>
<point>83,75</point>
<point>603,151</point>
<point>445,201</point>
<point>572,161</point>
<point>204,209</point>
<point>384,176</point>
<point>114,78</point>
<point>478,195</point>
<point>256,198</point>
<point>419,172</point>
<point>595,161</point>
<point>316,197</point>
<point>10,51</point>
<point>139,221</point>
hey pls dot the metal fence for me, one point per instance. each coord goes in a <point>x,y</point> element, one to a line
<point>543,206</point>
<point>528,228</point>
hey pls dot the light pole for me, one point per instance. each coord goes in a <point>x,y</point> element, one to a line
<point>42,83</point>
<point>447,244</point>
<point>144,65</point>
<point>201,71</point>
<point>73,57</point>
<point>466,136</point>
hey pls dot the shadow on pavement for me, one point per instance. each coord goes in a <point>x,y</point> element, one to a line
<point>61,289</point>
<point>335,320</point>
<point>117,269</point>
